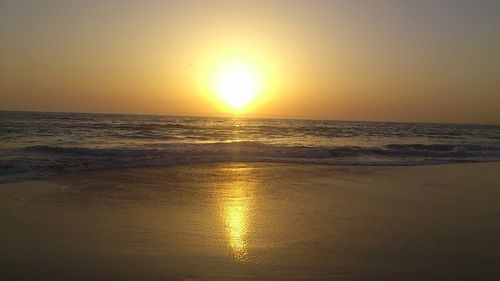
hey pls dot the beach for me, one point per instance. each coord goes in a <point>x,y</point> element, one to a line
<point>255,221</point>
<point>250,140</point>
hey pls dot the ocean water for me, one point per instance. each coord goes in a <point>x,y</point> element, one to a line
<point>37,145</point>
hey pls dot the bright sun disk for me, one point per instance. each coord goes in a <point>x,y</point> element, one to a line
<point>237,85</point>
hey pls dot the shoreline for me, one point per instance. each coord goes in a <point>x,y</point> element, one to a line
<point>333,166</point>
<point>255,221</point>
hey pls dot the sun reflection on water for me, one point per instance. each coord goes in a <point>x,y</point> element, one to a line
<point>236,213</point>
<point>236,223</point>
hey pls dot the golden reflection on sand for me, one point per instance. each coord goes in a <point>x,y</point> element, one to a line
<point>236,207</point>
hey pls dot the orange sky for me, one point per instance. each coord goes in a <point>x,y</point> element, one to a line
<point>436,61</point>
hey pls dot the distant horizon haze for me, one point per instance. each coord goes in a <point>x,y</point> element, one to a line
<point>242,116</point>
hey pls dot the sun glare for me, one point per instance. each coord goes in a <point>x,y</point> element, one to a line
<point>237,85</point>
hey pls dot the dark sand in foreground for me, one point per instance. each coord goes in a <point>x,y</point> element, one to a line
<point>255,222</point>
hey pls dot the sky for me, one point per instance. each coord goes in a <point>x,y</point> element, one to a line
<point>419,61</point>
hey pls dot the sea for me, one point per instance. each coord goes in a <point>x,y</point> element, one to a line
<point>36,145</point>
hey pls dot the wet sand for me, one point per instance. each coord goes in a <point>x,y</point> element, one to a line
<point>255,222</point>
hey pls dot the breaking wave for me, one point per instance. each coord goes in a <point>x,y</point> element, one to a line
<point>36,145</point>
<point>40,161</point>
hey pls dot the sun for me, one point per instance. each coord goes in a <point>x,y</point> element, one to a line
<point>237,84</point>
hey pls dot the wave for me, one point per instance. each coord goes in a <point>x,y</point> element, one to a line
<point>42,160</point>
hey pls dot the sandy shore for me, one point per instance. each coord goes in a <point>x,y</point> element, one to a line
<point>255,222</point>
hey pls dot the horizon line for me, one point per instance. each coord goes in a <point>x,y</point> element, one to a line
<point>254,117</point>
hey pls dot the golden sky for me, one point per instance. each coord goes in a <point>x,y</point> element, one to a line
<point>435,61</point>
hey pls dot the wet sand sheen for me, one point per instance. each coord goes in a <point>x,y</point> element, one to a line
<point>255,221</point>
